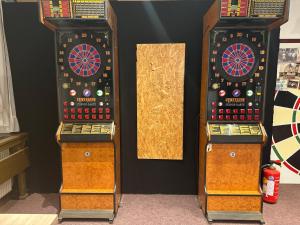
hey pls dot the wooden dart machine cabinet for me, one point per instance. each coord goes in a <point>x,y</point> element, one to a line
<point>234,75</point>
<point>88,98</point>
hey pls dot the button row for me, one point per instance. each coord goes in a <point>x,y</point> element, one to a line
<point>87,110</point>
<point>86,117</point>
<point>235,111</point>
<point>235,117</point>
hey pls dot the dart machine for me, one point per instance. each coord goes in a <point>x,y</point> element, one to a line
<point>234,75</point>
<point>88,98</point>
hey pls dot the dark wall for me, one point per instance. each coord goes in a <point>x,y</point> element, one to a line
<point>31,48</point>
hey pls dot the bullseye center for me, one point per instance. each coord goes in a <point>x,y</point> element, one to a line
<point>84,60</point>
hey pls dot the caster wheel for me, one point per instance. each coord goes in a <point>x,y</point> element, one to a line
<point>111,221</point>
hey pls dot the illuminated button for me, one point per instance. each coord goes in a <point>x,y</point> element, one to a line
<point>243,111</point>
<point>221,111</point>
<point>65,110</point>
<point>72,103</point>
<point>94,117</point>
<point>222,93</point>
<point>73,110</point>
<point>235,111</point>
<point>65,103</point>
<point>86,110</point>
<point>107,110</point>
<point>249,117</point>
<point>214,104</point>
<point>221,117</point>
<point>94,110</point>
<point>249,93</point>
<point>87,117</point>
<point>250,104</point>
<point>66,117</point>
<point>213,117</point>
<point>72,93</point>
<point>220,104</point>
<point>228,117</point>
<point>107,117</point>
<point>100,117</point>
<point>99,93</point>
<point>79,110</point>
<point>257,111</point>
<point>249,111</point>
<point>101,103</point>
<point>100,110</point>
<point>242,117</point>
<point>215,86</point>
<point>79,117</point>
<point>73,117</point>
<point>228,111</point>
<point>235,117</point>
<point>65,86</point>
<point>87,93</point>
<point>236,93</point>
<point>213,111</point>
<point>256,117</point>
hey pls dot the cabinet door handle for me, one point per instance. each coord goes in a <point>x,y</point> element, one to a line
<point>87,154</point>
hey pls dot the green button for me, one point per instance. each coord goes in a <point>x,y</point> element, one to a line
<point>249,93</point>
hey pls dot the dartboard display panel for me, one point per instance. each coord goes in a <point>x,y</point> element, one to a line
<point>85,80</point>
<point>237,75</point>
<point>286,130</point>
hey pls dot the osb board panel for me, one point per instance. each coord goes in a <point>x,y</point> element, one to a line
<point>234,203</point>
<point>93,171</point>
<point>239,173</point>
<point>86,202</point>
<point>160,96</point>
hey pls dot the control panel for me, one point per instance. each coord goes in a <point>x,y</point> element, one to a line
<point>84,76</point>
<point>237,74</point>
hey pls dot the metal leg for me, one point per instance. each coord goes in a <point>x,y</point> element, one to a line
<point>22,185</point>
<point>262,222</point>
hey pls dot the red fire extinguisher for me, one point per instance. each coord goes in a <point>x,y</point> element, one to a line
<point>271,177</point>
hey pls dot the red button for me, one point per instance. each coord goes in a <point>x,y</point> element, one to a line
<point>243,111</point>
<point>65,103</point>
<point>100,110</point>
<point>250,111</point>
<point>242,117</point>
<point>94,117</point>
<point>235,111</point>
<point>213,117</point>
<point>221,111</point>
<point>107,117</point>
<point>228,111</point>
<point>79,110</point>
<point>107,110</point>
<point>256,117</point>
<point>86,110</point>
<point>249,117</point>
<point>214,104</point>
<point>65,110</point>
<point>221,117</point>
<point>257,111</point>
<point>73,117</point>
<point>73,110</point>
<point>87,117</point>
<point>66,117</point>
<point>79,117</point>
<point>235,117</point>
<point>213,111</point>
<point>100,117</point>
<point>228,117</point>
<point>94,110</point>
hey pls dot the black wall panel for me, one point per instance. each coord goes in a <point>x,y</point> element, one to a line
<point>31,48</point>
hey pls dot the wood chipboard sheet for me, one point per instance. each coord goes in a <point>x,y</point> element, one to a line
<point>160,98</point>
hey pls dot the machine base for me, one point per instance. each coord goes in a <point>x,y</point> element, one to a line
<point>237,216</point>
<point>86,214</point>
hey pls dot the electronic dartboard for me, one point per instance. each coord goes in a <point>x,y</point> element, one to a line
<point>88,103</point>
<point>286,130</point>
<point>232,111</point>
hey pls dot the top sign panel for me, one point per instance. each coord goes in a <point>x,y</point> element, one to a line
<point>252,8</point>
<point>73,9</point>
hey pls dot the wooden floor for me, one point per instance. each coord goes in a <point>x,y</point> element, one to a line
<point>28,219</point>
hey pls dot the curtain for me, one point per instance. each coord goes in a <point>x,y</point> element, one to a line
<point>8,119</point>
